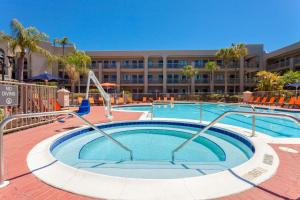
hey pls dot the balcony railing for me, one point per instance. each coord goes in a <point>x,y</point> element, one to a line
<point>138,81</point>
<point>297,60</point>
<point>202,81</point>
<point>109,80</point>
<point>133,66</point>
<point>234,80</point>
<point>177,81</point>
<point>155,65</point>
<point>109,66</point>
<point>219,81</point>
<point>155,81</point>
<point>175,65</point>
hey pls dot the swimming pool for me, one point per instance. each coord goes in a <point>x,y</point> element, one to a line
<point>282,128</point>
<point>152,143</point>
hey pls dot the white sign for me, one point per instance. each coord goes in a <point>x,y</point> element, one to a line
<point>8,95</point>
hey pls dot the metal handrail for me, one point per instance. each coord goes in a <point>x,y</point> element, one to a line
<point>155,101</point>
<point>44,114</point>
<point>278,115</point>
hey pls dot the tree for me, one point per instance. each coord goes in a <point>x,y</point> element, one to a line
<point>227,55</point>
<point>189,71</point>
<point>239,51</point>
<point>25,40</point>
<point>73,75</point>
<point>291,77</point>
<point>268,81</point>
<point>211,66</point>
<point>79,62</point>
<point>64,42</point>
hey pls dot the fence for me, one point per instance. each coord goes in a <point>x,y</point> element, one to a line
<point>32,98</point>
<point>204,96</point>
<point>286,93</point>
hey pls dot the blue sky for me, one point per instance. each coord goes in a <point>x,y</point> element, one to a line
<point>160,24</point>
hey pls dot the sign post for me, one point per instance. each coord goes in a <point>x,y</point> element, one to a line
<point>8,97</point>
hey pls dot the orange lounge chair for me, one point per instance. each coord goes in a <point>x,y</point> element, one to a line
<point>112,100</point>
<point>291,102</point>
<point>79,100</point>
<point>158,99</point>
<point>91,100</point>
<point>280,101</point>
<point>257,100</point>
<point>298,101</point>
<point>144,100</point>
<point>264,100</point>
<point>100,99</point>
<point>172,99</point>
<point>165,98</point>
<point>271,101</point>
<point>129,100</point>
<point>120,100</point>
<point>251,99</point>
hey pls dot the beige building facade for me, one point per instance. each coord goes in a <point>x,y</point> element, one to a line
<point>160,71</point>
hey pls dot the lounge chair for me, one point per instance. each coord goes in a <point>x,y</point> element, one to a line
<point>79,100</point>
<point>91,101</point>
<point>165,98</point>
<point>112,100</point>
<point>158,99</point>
<point>120,100</point>
<point>271,101</point>
<point>257,100</point>
<point>100,100</point>
<point>298,102</point>
<point>291,102</point>
<point>172,99</point>
<point>280,101</point>
<point>264,100</point>
<point>251,99</point>
<point>144,100</point>
<point>129,100</point>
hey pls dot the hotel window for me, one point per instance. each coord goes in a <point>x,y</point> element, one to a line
<point>141,77</point>
<point>126,62</point>
<point>150,77</point>
<point>219,63</point>
<point>220,77</point>
<point>126,77</point>
<point>113,77</point>
<point>204,62</point>
<point>183,77</point>
<point>160,77</point>
<point>205,76</point>
<point>198,77</point>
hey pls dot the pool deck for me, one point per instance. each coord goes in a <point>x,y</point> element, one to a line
<point>24,185</point>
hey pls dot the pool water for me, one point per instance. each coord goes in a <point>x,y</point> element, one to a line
<point>152,144</point>
<point>274,127</point>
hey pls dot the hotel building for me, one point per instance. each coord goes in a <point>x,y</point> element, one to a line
<point>159,71</point>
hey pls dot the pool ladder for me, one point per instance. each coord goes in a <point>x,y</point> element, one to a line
<point>276,115</point>
<point>3,123</point>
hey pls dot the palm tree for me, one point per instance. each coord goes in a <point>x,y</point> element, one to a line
<point>211,66</point>
<point>25,40</point>
<point>64,42</point>
<point>80,62</point>
<point>190,72</point>
<point>227,55</point>
<point>239,51</point>
<point>73,75</point>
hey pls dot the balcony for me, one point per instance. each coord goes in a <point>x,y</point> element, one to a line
<point>109,65</point>
<point>175,65</point>
<point>297,60</point>
<point>177,81</point>
<point>136,81</point>
<point>133,66</point>
<point>234,80</point>
<point>203,81</point>
<point>109,80</point>
<point>155,81</point>
<point>155,65</point>
<point>221,81</point>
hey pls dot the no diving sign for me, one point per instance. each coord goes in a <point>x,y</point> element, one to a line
<point>8,95</point>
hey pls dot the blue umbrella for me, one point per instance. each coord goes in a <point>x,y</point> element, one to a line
<point>46,77</point>
<point>296,85</point>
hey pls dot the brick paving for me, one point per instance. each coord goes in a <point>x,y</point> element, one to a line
<point>25,186</point>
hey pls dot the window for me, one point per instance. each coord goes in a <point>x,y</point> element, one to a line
<point>126,77</point>
<point>160,77</point>
<point>150,77</point>
<point>113,77</point>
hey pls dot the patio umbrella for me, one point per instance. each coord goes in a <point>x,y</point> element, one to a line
<point>108,85</point>
<point>296,85</point>
<point>45,77</point>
